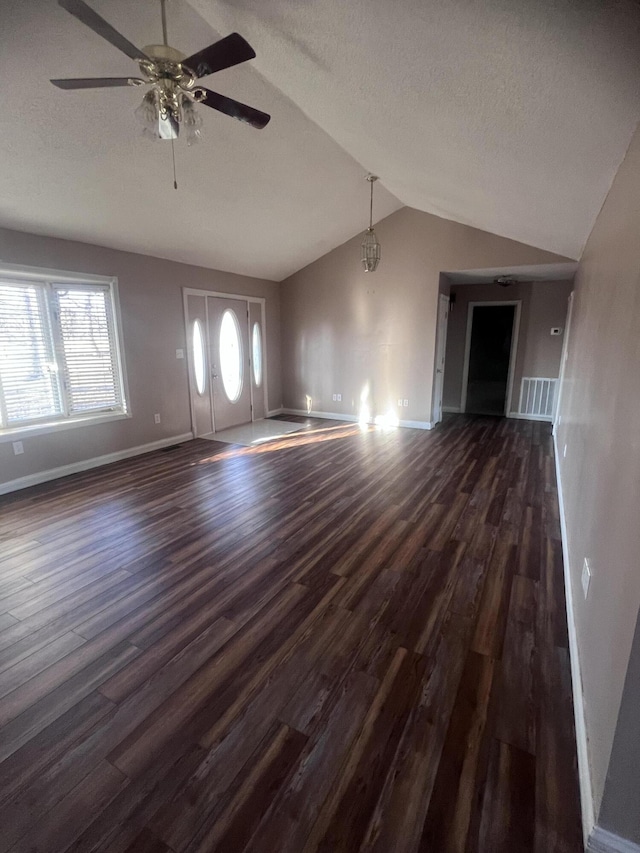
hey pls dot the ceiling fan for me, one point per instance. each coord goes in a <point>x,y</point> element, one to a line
<point>172,76</point>
<point>505,280</point>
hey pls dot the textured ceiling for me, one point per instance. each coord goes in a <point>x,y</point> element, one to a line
<point>509,115</point>
<point>73,164</point>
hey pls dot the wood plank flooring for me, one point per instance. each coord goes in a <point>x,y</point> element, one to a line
<point>342,640</point>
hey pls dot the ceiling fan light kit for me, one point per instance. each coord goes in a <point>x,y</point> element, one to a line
<point>169,104</point>
<point>370,244</point>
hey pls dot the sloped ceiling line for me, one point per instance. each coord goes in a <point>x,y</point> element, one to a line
<point>506,115</point>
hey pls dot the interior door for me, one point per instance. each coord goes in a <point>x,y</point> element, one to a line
<point>257,360</point>
<point>229,361</point>
<point>197,359</point>
<point>441,348</point>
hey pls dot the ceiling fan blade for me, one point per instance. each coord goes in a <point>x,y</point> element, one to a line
<point>91,19</point>
<point>235,109</point>
<point>96,82</point>
<point>229,51</point>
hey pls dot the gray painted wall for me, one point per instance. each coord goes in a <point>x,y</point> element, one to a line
<point>600,475</point>
<point>153,328</point>
<point>346,331</point>
<point>543,305</point>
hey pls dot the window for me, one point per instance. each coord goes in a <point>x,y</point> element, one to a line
<point>198,356</point>
<point>59,356</point>
<point>256,341</point>
<point>230,356</point>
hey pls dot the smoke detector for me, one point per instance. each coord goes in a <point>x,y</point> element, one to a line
<point>505,280</point>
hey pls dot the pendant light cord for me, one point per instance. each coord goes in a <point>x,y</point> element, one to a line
<point>164,21</point>
<point>371,207</point>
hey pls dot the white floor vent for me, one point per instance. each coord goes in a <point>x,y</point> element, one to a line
<point>537,395</point>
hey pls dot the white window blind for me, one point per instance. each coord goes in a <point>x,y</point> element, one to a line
<point>90,364</point>
<point>59,353</point>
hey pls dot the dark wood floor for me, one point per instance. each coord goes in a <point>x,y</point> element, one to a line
<point>338,641</point>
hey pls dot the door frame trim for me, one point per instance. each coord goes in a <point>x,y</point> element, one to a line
<point>515,333</point>
<point>261,300</point>
<point>563,360</point>
<point>440,332</point>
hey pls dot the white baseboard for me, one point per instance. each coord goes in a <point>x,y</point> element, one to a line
<point>334,416</point>
<point>86,464</point>
<point>582,743</point>
<point>603,841</point>
<point>519,417</point>
<point>516,415</point>
<point>331,416</point>
<point>273,412</point>
<point>416,424</point>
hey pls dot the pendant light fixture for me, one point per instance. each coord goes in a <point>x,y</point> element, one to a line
<point>370,245</point>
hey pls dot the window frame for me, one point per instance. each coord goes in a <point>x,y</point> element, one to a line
<point>17,273</point>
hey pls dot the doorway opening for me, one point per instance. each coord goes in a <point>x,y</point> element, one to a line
<point>492,330</point>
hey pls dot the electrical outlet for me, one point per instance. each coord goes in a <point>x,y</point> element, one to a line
<point>335,397</point>
<point>586,576</point>
<point>406,402</point>
<point>564,451</point>
<point>156,418</point>
<point>18,448</point>
<point>339,398</point>
<point>179,353</point>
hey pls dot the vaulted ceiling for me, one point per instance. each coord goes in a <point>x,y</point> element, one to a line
<point>509,115</point>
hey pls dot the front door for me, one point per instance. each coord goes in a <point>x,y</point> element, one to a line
<point>229,361</point>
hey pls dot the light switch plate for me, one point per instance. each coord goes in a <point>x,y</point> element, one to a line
<point>556,330</point>
<point>179,353</point>
<point>18,448</point>
<point>339,398</point>
<point>156,418</point>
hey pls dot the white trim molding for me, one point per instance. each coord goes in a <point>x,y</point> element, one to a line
<point>582,743</point>
<point>519,417</point>
<point>603,841</point>
<point>451,409</point>
<point>86,464</point>
<point>352,419</point>
<point>274,412</point>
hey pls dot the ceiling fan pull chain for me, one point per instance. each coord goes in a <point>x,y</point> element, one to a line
<point>173,157</point>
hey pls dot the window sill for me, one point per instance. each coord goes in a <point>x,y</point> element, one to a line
<point>22,432</point>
